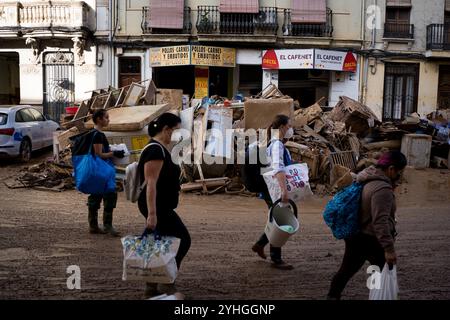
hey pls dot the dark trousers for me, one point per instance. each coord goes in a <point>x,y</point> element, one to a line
<point>109,204</point>
<point>170,224</point>
<point>275,252</point>
<point>358,249</point>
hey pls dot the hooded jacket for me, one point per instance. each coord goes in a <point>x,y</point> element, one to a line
<point>377,211</point>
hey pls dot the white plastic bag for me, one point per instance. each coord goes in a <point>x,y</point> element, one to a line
<point>388,289</point>
<point>297,183</point>
<point>120,147</point>
<point>148,259</point>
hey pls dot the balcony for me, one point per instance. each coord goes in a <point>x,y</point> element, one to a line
<point>314,30</point>
<point>44,18</point>
<point>438,37</point>
<point>398,30</point>
<point>187,24</point>
<point>210,21</point>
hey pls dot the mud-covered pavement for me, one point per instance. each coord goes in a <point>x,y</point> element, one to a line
<point>42,233</point>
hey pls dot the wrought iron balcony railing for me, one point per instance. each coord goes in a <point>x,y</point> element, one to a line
<point>308,29</point>
<point>398,30</point>
<point>438,37</point>
<point>211,21</point>
<point>146,29</point>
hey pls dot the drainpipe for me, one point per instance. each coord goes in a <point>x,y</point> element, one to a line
<point>362,74</point>
<point>110,46</point>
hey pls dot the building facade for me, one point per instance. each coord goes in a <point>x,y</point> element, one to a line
<point>149,33</point>
<point>47,53</point>
<point>406,67</point>
<point>54,53</point>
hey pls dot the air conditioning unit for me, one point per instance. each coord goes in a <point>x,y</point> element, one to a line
<point>263,17</point>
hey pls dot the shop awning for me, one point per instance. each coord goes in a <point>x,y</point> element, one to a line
<point>398,3</point>
<point>239,6</point>
<point>309,11</point>
<point>166,14</point>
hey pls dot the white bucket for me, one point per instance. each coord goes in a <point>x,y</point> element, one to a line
<point>281,217</point>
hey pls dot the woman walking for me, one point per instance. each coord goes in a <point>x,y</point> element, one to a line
<point>159,199</point>
<point>279,158</point>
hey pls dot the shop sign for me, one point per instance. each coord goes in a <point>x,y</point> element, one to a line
<point>288,59</point>
<point>309,59</point>
<point>170,56</point>
<point>201,82</point>
<point>335,60</point>
<point>213,56</point>
<point>192,55</point>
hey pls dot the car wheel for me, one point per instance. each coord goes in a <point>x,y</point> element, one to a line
<point>25,150</point>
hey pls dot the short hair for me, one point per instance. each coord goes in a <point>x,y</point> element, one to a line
<point>392,158</point>
<point>99,114</point>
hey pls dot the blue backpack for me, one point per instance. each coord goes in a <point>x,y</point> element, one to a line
<point>342,212</point>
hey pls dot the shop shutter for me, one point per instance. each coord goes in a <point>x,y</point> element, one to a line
<point>447,5</point>
<point>166,14</point>
<point>239,6</point>
<point>309,11</point>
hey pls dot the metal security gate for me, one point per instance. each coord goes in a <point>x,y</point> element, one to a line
<point>59,83</point>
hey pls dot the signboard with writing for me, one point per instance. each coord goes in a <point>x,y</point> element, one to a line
<point>201,82</point>
<point>309,59</point>
<point>213,56</point>
<point>288,59</point>
<point>170,56</point>
<point>193,55</point>
<point>335,60</point>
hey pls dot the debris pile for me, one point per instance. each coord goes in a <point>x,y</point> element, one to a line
<point>47,176</point>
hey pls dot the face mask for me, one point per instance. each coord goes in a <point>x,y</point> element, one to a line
<point>289,134</point>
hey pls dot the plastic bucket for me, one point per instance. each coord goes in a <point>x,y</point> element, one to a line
<point>71,110</point>
<point>279,221</point>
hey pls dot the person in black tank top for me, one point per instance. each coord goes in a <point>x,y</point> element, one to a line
<point>159,199</point>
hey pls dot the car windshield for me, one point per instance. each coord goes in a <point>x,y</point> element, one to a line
<point>3,118</point>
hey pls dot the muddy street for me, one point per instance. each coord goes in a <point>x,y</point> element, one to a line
<point>42,233</point>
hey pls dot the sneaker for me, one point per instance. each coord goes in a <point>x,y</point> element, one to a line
<point>280,264</point>
<point>259,249</point>
<point>112,231</point>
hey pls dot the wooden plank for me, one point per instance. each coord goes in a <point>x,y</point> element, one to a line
<point>150,93</point>
<point>82,112</point>
<point>260,113</point>
<point>192,186</point>
<point>64,137</point>
<point>174,97</point>
<point>132,119</point>
<point>134,94</point>
<point>202,178</point>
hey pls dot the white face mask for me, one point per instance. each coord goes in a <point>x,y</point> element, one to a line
<point>289,134</point>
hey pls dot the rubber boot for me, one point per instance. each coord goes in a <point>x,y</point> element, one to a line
<point>93,222</point>
<point>107,224</point>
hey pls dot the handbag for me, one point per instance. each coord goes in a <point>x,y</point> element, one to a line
<point>150,258</point>
<point>93,175</point>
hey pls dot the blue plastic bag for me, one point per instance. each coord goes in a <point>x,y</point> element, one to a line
<point>93,175</point>
<point>342,212</point>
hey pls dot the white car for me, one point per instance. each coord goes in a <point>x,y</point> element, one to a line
<point>24,129</point>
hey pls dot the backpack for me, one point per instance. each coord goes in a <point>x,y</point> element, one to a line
<point>251,173</point>
<point>342,212</point>
<point>133,185</point>
<point>81,143</point>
